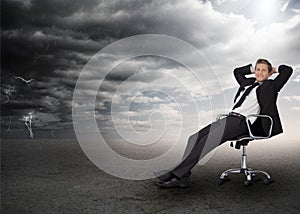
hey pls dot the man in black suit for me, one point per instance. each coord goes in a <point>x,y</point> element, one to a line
<point>255,96</point>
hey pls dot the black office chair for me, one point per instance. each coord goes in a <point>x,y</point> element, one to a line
<point>243,141</point>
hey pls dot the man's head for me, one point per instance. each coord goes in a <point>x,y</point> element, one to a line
<point>263,69</point>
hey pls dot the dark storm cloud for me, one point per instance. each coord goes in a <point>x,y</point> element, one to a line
<point>38,38</point>
<point>16,105</point>
<point>38,52</point>
<point>130,69</point>
<point>40,13</point>
<point>52,40</point>
<point>46,34</point>
<point>121,77</point>
<point>35,45</point>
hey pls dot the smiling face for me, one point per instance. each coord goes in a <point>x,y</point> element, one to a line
<point>261,72</point>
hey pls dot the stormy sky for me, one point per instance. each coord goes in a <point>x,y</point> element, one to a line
<point>51,42</point>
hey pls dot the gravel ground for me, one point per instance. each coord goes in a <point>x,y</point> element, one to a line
<point>54,176</point>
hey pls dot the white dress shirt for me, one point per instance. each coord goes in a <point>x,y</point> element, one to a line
<point>250,104</point>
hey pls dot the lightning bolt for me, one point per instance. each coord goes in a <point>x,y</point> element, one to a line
<point>8,128</point>
<point>8,91</point>
<point>28,121</point>
<point>26,81</point>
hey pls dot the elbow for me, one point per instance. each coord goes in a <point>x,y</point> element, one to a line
<point>285,68</point>
<point>235,72</point>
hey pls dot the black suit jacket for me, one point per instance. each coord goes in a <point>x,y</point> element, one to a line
<point>267,94</point>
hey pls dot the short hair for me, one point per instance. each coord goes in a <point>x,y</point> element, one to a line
<point>264,61</point>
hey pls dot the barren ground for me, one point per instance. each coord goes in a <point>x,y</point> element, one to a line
<point>54,176</point>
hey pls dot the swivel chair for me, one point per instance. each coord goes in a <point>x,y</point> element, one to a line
<point>243,141</point>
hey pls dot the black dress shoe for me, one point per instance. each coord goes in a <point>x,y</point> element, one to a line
<point>163,175</point>
<point>175,182</point>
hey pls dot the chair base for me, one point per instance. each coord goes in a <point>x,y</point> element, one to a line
<point>249,173</point>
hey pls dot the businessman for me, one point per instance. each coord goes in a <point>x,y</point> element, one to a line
<point>255,96</point>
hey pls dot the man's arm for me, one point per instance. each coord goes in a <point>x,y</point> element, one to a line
<point>240,75</point>
<point>285,73</point>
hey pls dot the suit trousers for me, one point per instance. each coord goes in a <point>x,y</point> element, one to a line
<point>208,139</point>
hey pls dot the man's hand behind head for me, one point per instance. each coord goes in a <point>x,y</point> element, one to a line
<point>272,71</point>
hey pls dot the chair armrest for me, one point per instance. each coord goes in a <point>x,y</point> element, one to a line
<point>251,136</point>
<point>221,115</point>
<point>262,116</point>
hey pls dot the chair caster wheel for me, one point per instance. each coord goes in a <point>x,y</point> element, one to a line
<point>248,183</point>
<point>267,181</point>
<point>223,180</point>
